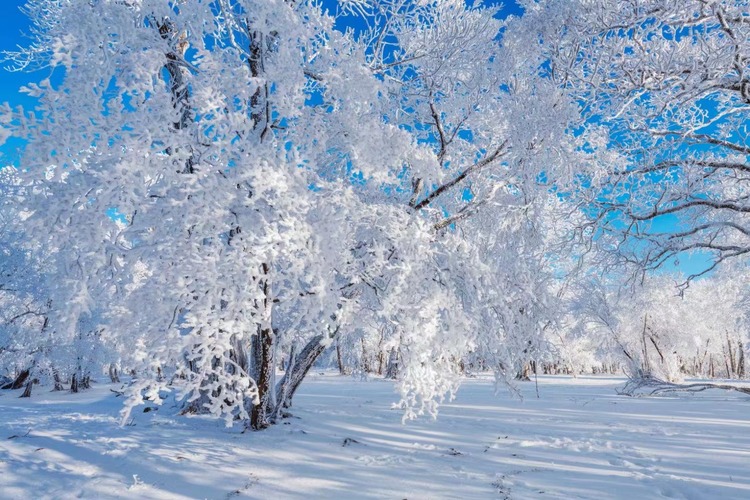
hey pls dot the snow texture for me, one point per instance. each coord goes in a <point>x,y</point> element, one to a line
<point>578,440</point>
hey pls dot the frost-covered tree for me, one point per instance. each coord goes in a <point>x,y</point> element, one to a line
<point>32,349</point>
<point>21,303</point>
<point>229,187</point>
<point>652,331</point>
<point>667,83</point>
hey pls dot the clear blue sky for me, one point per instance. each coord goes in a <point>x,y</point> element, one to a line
<point>13,25</point>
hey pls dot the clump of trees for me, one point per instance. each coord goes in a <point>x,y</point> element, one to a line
<point>240,184</point>
<point>215,193</point>
<point>652,331</point>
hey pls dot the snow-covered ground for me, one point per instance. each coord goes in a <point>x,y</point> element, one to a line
<point>579,440</point>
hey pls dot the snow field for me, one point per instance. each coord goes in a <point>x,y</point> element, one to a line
<point>578,440</point>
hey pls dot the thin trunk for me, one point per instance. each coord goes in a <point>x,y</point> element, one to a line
<point>365,357</point>
<point>259,102</point>
<point>646,363</point>
<point>732,363</point>
<point>705,354</point>
<point>340,361</point>
<point>294,376</point>
<point>391,369</point>
<point>56,378</point>
<point>656,346</point>
<point>741,360</point>
<point>27,390</point>
<point>726,362</point>
<point>114,374</point>
<point>178,85</point>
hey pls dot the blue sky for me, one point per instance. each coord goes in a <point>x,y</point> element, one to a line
<point>13,24</point>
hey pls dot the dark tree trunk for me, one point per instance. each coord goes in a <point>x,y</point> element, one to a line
<point>263,357</point>
<point>58,382</point>
<point>27,390</point>
<point>114,374</point>
<point>264,366</point>
<point>741,361</point>
<point>730,354</point>
<point>19,381</point>
<point>80,381</point>
<point>339,360</point>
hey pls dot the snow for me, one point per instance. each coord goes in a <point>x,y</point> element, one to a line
<point>580,439</point>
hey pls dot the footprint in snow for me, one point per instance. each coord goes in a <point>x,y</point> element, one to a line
<point>383,460</point>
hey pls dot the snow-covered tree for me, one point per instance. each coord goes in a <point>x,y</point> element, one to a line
<point>668,84</point>
<point>651,330</point>
<point>225,186</point>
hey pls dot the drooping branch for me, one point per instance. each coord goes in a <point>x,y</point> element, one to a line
<point>652,386</point>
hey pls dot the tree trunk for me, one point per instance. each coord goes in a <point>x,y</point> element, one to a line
<point>523,373</point>
<point>178,86</point>
<point>114,374</point>
<point>391,369</point>
<point>365,357</point>
<point>263,357</point>
<point>340,361</point>
<point>730,353</point>
<point>19,380</point>
<point>264,366</point>
<point>646,364</point>
<point>238,354</point>
<point>741,361</point>
<point>295,374</point>
<point>58,382</point>
<point>27,390</point>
